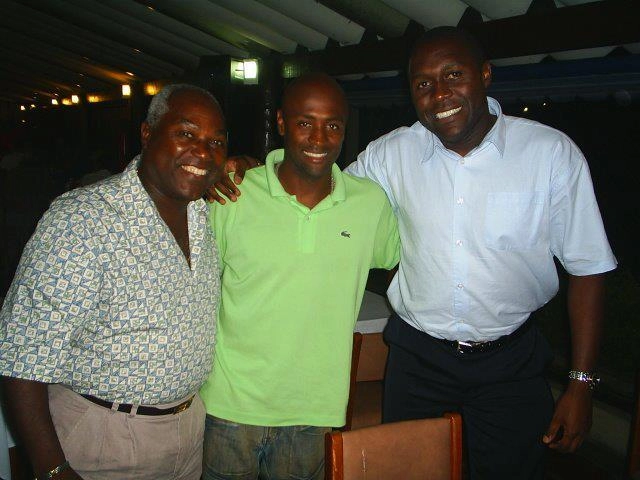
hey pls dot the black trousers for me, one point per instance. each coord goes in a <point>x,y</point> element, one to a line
<point>505,402</point>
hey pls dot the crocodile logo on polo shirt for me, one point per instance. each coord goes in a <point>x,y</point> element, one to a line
<point>345,234</point>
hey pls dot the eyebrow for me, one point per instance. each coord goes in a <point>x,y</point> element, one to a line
<point>187,123</point>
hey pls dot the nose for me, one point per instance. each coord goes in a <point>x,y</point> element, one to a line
<point>201,148</point>
<point>441,90</point>
<point>317,135</point>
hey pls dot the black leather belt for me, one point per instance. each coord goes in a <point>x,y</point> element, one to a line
<point>142,410</point>
<point>480,347</point>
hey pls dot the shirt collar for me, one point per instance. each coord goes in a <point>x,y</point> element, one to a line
<point>496,136</point>
<point>277,190</point>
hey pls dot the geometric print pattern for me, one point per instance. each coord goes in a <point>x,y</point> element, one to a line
<point>105,302</point>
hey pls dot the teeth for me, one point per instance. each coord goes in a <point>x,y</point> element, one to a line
<point>448,113</point>
<point>315,155</point>
<point>194,170</point>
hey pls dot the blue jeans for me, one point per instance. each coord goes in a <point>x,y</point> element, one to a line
<point>235,451</point>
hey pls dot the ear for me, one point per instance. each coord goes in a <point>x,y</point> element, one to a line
<point>145,133</point>
<point>486,74</point>
<point>280,120</point>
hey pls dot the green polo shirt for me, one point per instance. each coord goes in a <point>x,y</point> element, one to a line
<point>292,284</point>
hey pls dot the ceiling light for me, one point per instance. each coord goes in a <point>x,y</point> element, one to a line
<point>150,88</point>
<point>22,108</point>
<point>75,99</point>
<point>54,101</point>
<point>126,90</point>
<point>250,69</point>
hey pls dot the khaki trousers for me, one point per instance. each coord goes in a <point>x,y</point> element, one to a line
<point>103,444</point>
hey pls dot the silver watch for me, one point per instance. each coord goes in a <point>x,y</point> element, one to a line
<point>589,378</point>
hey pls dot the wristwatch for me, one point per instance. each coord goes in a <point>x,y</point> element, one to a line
<point>590,378</point>
<point>54,471</point>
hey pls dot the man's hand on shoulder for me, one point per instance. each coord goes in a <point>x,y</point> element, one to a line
<point>571,420</point>
<point>226,187</point>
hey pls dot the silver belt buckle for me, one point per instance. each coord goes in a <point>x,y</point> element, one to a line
<point>461,344</point>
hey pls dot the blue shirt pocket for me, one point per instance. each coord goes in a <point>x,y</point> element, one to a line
<point>515,220</point>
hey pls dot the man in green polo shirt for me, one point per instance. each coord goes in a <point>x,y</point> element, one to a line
<point>296,249</point>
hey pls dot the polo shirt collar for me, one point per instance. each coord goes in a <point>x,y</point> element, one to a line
<point>277,190</point>
<point>496,136</point>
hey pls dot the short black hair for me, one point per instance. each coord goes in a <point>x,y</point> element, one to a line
<point>305,79</point>
<point>453,33</point>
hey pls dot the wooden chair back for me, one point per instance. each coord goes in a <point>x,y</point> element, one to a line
<point>355,360</point>
<point>411,450</point>
<point>365,395</point>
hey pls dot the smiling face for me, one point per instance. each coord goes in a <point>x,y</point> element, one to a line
<point>448,89</point>
<point>313,120</point>
<point>183,154</point>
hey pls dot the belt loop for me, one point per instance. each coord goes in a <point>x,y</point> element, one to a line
<point>134,410</point>
<point>114,407</point>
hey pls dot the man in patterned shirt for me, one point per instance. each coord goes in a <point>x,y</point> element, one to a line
<point>106,333</point>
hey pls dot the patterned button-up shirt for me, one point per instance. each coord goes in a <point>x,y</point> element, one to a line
<point>105,302</point>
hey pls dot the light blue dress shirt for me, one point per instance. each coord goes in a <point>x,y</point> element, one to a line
<point>105,302</point>
<point>479,232</point>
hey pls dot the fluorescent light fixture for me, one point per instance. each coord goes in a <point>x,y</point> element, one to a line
<point>126,90</point>
<point>250,69</point>
<point>75,99</point>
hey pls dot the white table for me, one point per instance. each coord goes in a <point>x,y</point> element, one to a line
<point>373,314</point>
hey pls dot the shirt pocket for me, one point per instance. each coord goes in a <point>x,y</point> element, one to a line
<point>515,220</point>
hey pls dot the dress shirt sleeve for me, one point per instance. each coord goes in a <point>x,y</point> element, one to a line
<point>368,165</point>
<point>53,295</point>
<point>578,238</point>
<point>387,240</point>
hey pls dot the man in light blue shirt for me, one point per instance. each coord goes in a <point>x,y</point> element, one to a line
<point>484,202</point>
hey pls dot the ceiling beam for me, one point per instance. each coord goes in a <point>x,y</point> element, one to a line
<point>597,24</point>
<point>609,22</point>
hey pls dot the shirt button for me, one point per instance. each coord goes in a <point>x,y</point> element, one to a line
<point>461,161</point>
<point>459,243</point>
<point>460,200</point>
<point>460,286</point>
